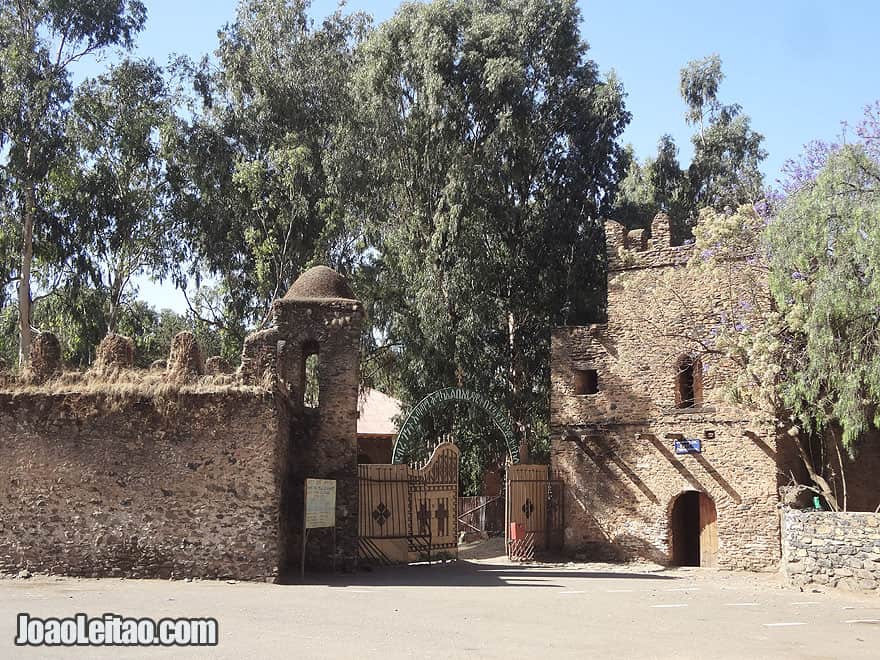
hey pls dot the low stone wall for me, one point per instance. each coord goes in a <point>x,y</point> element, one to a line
<point>143,487</point>
<point>835,549</point>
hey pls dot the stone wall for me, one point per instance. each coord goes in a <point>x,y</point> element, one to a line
<point>324,445</point>
<point>838,549</point>
<point>143,487</point>
<point>622,482</point>
<point>615,446</point>
<point>176,473</point>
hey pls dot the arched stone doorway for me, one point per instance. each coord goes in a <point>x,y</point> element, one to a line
<point>693,530</point>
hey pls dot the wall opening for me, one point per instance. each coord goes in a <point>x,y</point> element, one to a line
<point>586,381</point>
<point>310,381</point>
<point>688,382</point>
<point>693,530</point>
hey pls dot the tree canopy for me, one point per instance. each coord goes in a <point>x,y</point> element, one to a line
<point>259,170</point>
<point>825,263</point>
<point>493,154</point>
<point>723,174</point>
<point>39,41</point>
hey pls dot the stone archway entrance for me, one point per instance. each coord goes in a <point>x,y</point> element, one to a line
<point>693,530</point>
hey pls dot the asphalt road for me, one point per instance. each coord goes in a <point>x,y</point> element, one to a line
<point>482,609</point>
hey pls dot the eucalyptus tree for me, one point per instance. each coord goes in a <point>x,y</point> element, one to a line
<point>258,172</point>
<point>39,41</point>
<point>111,187</point>
<point>724,172</point>
<point>492,153</point>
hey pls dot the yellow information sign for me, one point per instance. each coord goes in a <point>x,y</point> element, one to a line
<point>320,503</point>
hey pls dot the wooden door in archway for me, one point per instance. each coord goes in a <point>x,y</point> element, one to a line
<point>708,532</point>
<point>694,530</point>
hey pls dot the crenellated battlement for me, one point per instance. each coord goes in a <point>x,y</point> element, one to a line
<point>630,249</point>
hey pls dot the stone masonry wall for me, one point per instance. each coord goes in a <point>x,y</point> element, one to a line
<point>324,445</point>
<point>838,549</point>
<point>142,488</point>
<point>622,483</point>
<point>615,447</point>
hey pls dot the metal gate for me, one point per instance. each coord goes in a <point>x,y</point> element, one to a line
<point>409,513</point>
<point>535,520</point>
<point>481,514</point>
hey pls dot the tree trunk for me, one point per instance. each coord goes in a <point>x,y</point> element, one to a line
<point>835,439</point>
<point>516,421</point>
<point>113,312</point>
<point>24,281</point>
<point>821,483</point>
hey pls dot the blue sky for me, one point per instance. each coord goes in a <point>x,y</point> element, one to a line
<point>798,68</point>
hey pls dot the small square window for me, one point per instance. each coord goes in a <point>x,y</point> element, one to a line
<point>586,381</point>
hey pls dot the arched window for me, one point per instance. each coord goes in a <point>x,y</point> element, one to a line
<point>688,382</point>
<point>309,383</point>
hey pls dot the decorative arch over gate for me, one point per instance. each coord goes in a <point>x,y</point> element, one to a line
<point>407,434</point>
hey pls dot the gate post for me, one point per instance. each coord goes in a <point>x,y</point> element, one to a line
<point>507,510</point>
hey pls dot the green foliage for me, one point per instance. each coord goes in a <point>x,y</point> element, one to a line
<point>636,203</point>
<point>658,185</point>
<point>699,81</point>
<point>152,332</point>
<point>78,316</point>
<point>39,40</point>
<point>729,248</point>
<point>111,188</point>
<point>259,172</point>
<point>825,249</point>
<point>491,147</point>
<point>724,172</point>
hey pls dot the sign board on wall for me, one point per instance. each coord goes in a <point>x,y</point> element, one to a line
<point>320,503</point>
<point>688,446</point>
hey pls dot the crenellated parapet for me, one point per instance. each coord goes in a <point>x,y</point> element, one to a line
<point>631,249</point>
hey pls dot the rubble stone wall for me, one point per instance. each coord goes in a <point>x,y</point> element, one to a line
<point>837,549</point>
<point>188,487</point>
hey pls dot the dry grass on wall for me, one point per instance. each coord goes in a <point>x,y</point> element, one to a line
<point>119,386</point>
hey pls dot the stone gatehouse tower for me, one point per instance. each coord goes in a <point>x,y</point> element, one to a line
<point>631,396</point>
<point>311,356</point>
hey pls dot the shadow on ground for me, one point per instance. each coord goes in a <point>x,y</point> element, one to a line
<point>464,573</point>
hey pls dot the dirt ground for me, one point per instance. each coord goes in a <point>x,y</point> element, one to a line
<point>476,608</point>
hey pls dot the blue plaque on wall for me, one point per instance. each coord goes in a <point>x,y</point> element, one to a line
<point>688,446</point>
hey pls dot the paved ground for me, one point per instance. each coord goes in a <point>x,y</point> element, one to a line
<point>480,609</point>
